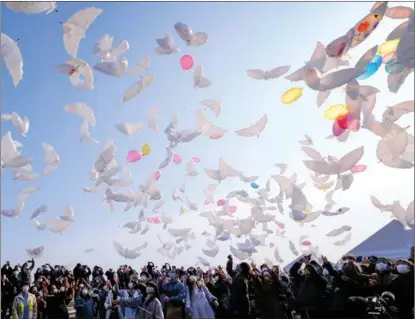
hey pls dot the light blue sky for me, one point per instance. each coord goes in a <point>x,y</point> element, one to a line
<point>241,36</point>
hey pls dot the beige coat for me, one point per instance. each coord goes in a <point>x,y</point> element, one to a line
<point>18,306</point>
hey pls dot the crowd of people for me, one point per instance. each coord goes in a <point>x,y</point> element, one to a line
<point>354,287</point>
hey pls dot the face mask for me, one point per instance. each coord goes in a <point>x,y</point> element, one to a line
<point>150,290</point>
<point>106,288</point>
<point>381,267</point>
<point>56,269</point>
<point>402,269</point>
<point>55,291</point>
<point>25,288</point>
<point>216,278</point>
<point>84,292</point>
<point>130,285</point>
<point>325,272</point>
<point>172,276</point>
<point>62,289</point>
<point>143,278</point>
<point>264,269</point>
<point>15,272</point>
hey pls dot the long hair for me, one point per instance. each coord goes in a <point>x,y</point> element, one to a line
<point>156,293</point>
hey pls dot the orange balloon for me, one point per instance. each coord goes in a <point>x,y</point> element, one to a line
<point>363,26</point>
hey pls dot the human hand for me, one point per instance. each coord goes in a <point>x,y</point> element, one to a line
<point>324,258</point>
<point>216,303</point>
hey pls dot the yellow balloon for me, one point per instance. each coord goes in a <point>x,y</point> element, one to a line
<point>323,187</point>
<point>291,95</point>
<point>308,210</point>
<point>146,149</point>
<point>388,47</point>
<point>335,111</point>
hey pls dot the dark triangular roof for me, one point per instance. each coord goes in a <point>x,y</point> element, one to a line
<point>391,241</point>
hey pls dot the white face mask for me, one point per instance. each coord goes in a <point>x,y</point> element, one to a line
<point>339,267</point>
<point>143,278</point>
<point>402,269</point>
<point>130,285</point>
<point>62,289</point>
<point>25,288</point>
<point>84,292</point>
<point>325,272</point>
<point>381,267</point>
<point>150,290</point>
<point>216,278</point>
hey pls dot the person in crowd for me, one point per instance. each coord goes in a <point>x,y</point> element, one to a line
<point>77,272</point>
<point>6,270</point>
<point>311,287</point>
<point>57,300</point>
<point>110,275</point>
<point>173,296</point>
<point>222,293</point>
<point>24,305</point>
<point>131,292</point>
<point>384,276</point>
<point>7,293</point>
<point>240,303</point>
<point>102,296</point>
<point>41,303</point>
<point>26,271</point>
<point>267,290</point>
<point>85,305</point>
<point>199,300</point>
<point>403,288</point>
<point>85,273</point>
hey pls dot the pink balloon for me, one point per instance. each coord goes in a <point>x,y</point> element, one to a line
<point>177,159</point>
<point>306,243</point>
<point>215,137</point>
<point>352,123</point>
<point>358,169</point>
<point>221,202</point>
<point>272,245</point>
<point>206,202</point>
<point>157,175</point>
<point>196,159</point>
<point>186,62</point>
<point>134,156</point>
<point>232,209</point>
<point>280,225</point>
<point>336,129</point>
